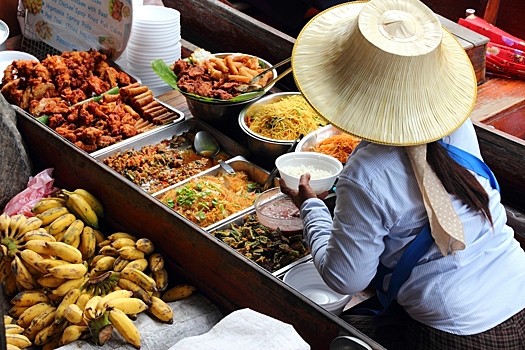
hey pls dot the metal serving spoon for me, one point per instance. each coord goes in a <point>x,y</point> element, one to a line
<point>207,146</point>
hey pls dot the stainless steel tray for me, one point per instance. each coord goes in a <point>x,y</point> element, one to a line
<point>239,220</point>
<point>238,163</point>
<point>167,132</point>
<point>119,145</point>
<point>313,138</point>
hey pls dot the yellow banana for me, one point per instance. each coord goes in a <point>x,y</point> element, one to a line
<point>39,234</point>
<point>5,221</point>
<point>61,223</point>
<point>104,264</point>
<point>88,243</point>
<point>93,202</point>
<point>29,225</point>
<point>117,235</point>
<point>109,251</point>
<point>156,262</point>
<point>29,298</point>
<point>103,243</point>
<point>129,306</point>
<point>161,279</point>
<point>8,320</point>
<point>10,285</point>
<point>71,333</point>
<point>65,252</point>
<point>5,269</point>
<point>145,245</point>
<point>73,232</point>
<point>120,264</point>
<point>47,264</point>
<point>178,292</point>
<point>122,242</point>
<point>16,221</point>
<point>76,242</point>
<point>130,253</point>
<point>18,340</point>
<point>25,318</point>
<point>23,276</point>
<point>74,314</point>
<point>67,286</point>
<point>125,327</point>
<point>99,237</point>
<point>50,281</point>
<point>46,334</point>
<point>15,310</point>
<point>71,297</point>
<point>91,311</point>
<point>38,246</point>
<point>31,258</point>
<point>53,341</point>
<point>82,300</point>
<point>95,259</point>
<point>161,310</point>
<point>39,322</point>
<point>139,278</point>
<point>139,264</point>
<point>119,294</point>
<point>138,291</point>
<point>48,203</point>
<point>70,271</point>
<point>79,205</point>
<point>13,329</point>
<point>51,215</point>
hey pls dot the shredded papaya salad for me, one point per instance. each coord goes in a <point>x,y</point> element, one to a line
<point>208,199</point>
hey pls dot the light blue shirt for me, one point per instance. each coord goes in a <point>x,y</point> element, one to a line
<point>379,210</point>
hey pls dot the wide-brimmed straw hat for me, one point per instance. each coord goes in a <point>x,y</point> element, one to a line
<point>385,71</point>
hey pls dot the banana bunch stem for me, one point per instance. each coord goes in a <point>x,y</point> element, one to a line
<point>101,328</point>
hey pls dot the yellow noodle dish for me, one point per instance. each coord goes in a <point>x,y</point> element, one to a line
<point>284,119</point>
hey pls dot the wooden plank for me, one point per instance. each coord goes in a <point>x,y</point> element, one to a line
<point>466,35</point>
<point>496,95</point>
<point>224,276</point>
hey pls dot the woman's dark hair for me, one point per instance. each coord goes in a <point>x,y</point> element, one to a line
<point>457,180</point>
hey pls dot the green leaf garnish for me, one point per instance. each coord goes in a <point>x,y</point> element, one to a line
<point>44,119</point>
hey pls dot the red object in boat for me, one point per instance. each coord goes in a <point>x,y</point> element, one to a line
<point>505,54</point>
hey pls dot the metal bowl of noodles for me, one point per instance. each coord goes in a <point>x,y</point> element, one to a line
<point>264,149</point>
<point>215,110</point>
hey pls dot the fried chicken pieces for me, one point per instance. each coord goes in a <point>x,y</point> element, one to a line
<point>53,86</point>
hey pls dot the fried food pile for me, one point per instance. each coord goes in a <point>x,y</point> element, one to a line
<point>54,87</point>
<point>214,77</point>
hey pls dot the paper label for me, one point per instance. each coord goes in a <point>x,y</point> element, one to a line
<point>80,25</point>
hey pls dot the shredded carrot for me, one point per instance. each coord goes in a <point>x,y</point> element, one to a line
<point>338,146</point>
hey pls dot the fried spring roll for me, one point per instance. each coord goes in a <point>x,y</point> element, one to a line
<point>131,111</point>
<point>151,105</point>
<point>240,78</point>
<point>220,64</point>
<point>137,90</point>
<point>143,95</point>
<point>124,90</point>
<point>231,66</point>
<point>143,101</point>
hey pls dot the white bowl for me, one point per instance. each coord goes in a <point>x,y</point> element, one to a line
<point>309,160</point>
<point>7,57</point>
<point>305,278</point>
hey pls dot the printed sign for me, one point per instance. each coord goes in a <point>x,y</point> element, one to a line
<point>80,25</point>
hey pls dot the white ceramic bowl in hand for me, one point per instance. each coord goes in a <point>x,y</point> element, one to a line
<point>323,169</point>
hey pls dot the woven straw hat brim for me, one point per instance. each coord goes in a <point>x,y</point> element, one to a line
<point>397,95</point>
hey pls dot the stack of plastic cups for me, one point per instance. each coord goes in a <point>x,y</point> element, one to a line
<point>155,34</point>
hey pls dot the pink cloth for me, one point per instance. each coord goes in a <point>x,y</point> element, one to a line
<point>38,187</point>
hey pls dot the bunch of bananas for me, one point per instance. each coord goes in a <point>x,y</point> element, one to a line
<point>67,281</point>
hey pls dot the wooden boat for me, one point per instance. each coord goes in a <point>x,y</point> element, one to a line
<point>497,116</point>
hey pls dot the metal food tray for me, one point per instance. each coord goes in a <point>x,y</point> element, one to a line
<point>239,220</point>
<point>238,163</point>
<point>119,145</point>
<point>155,136</point>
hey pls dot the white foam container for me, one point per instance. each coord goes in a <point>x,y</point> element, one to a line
<point>305,278</point>
<point>316,160</point>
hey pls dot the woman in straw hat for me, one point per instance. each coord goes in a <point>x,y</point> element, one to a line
<point>418,213</point>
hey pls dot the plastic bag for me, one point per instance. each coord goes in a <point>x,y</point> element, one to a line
<point>38,187</point>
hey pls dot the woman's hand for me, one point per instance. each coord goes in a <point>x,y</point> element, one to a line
<point>303,193</point>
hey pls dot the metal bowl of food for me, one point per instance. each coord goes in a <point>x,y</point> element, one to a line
<point>221,109</point>
<point>262,147</point>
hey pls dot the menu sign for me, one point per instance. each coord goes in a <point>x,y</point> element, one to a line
<point>80,25</point>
